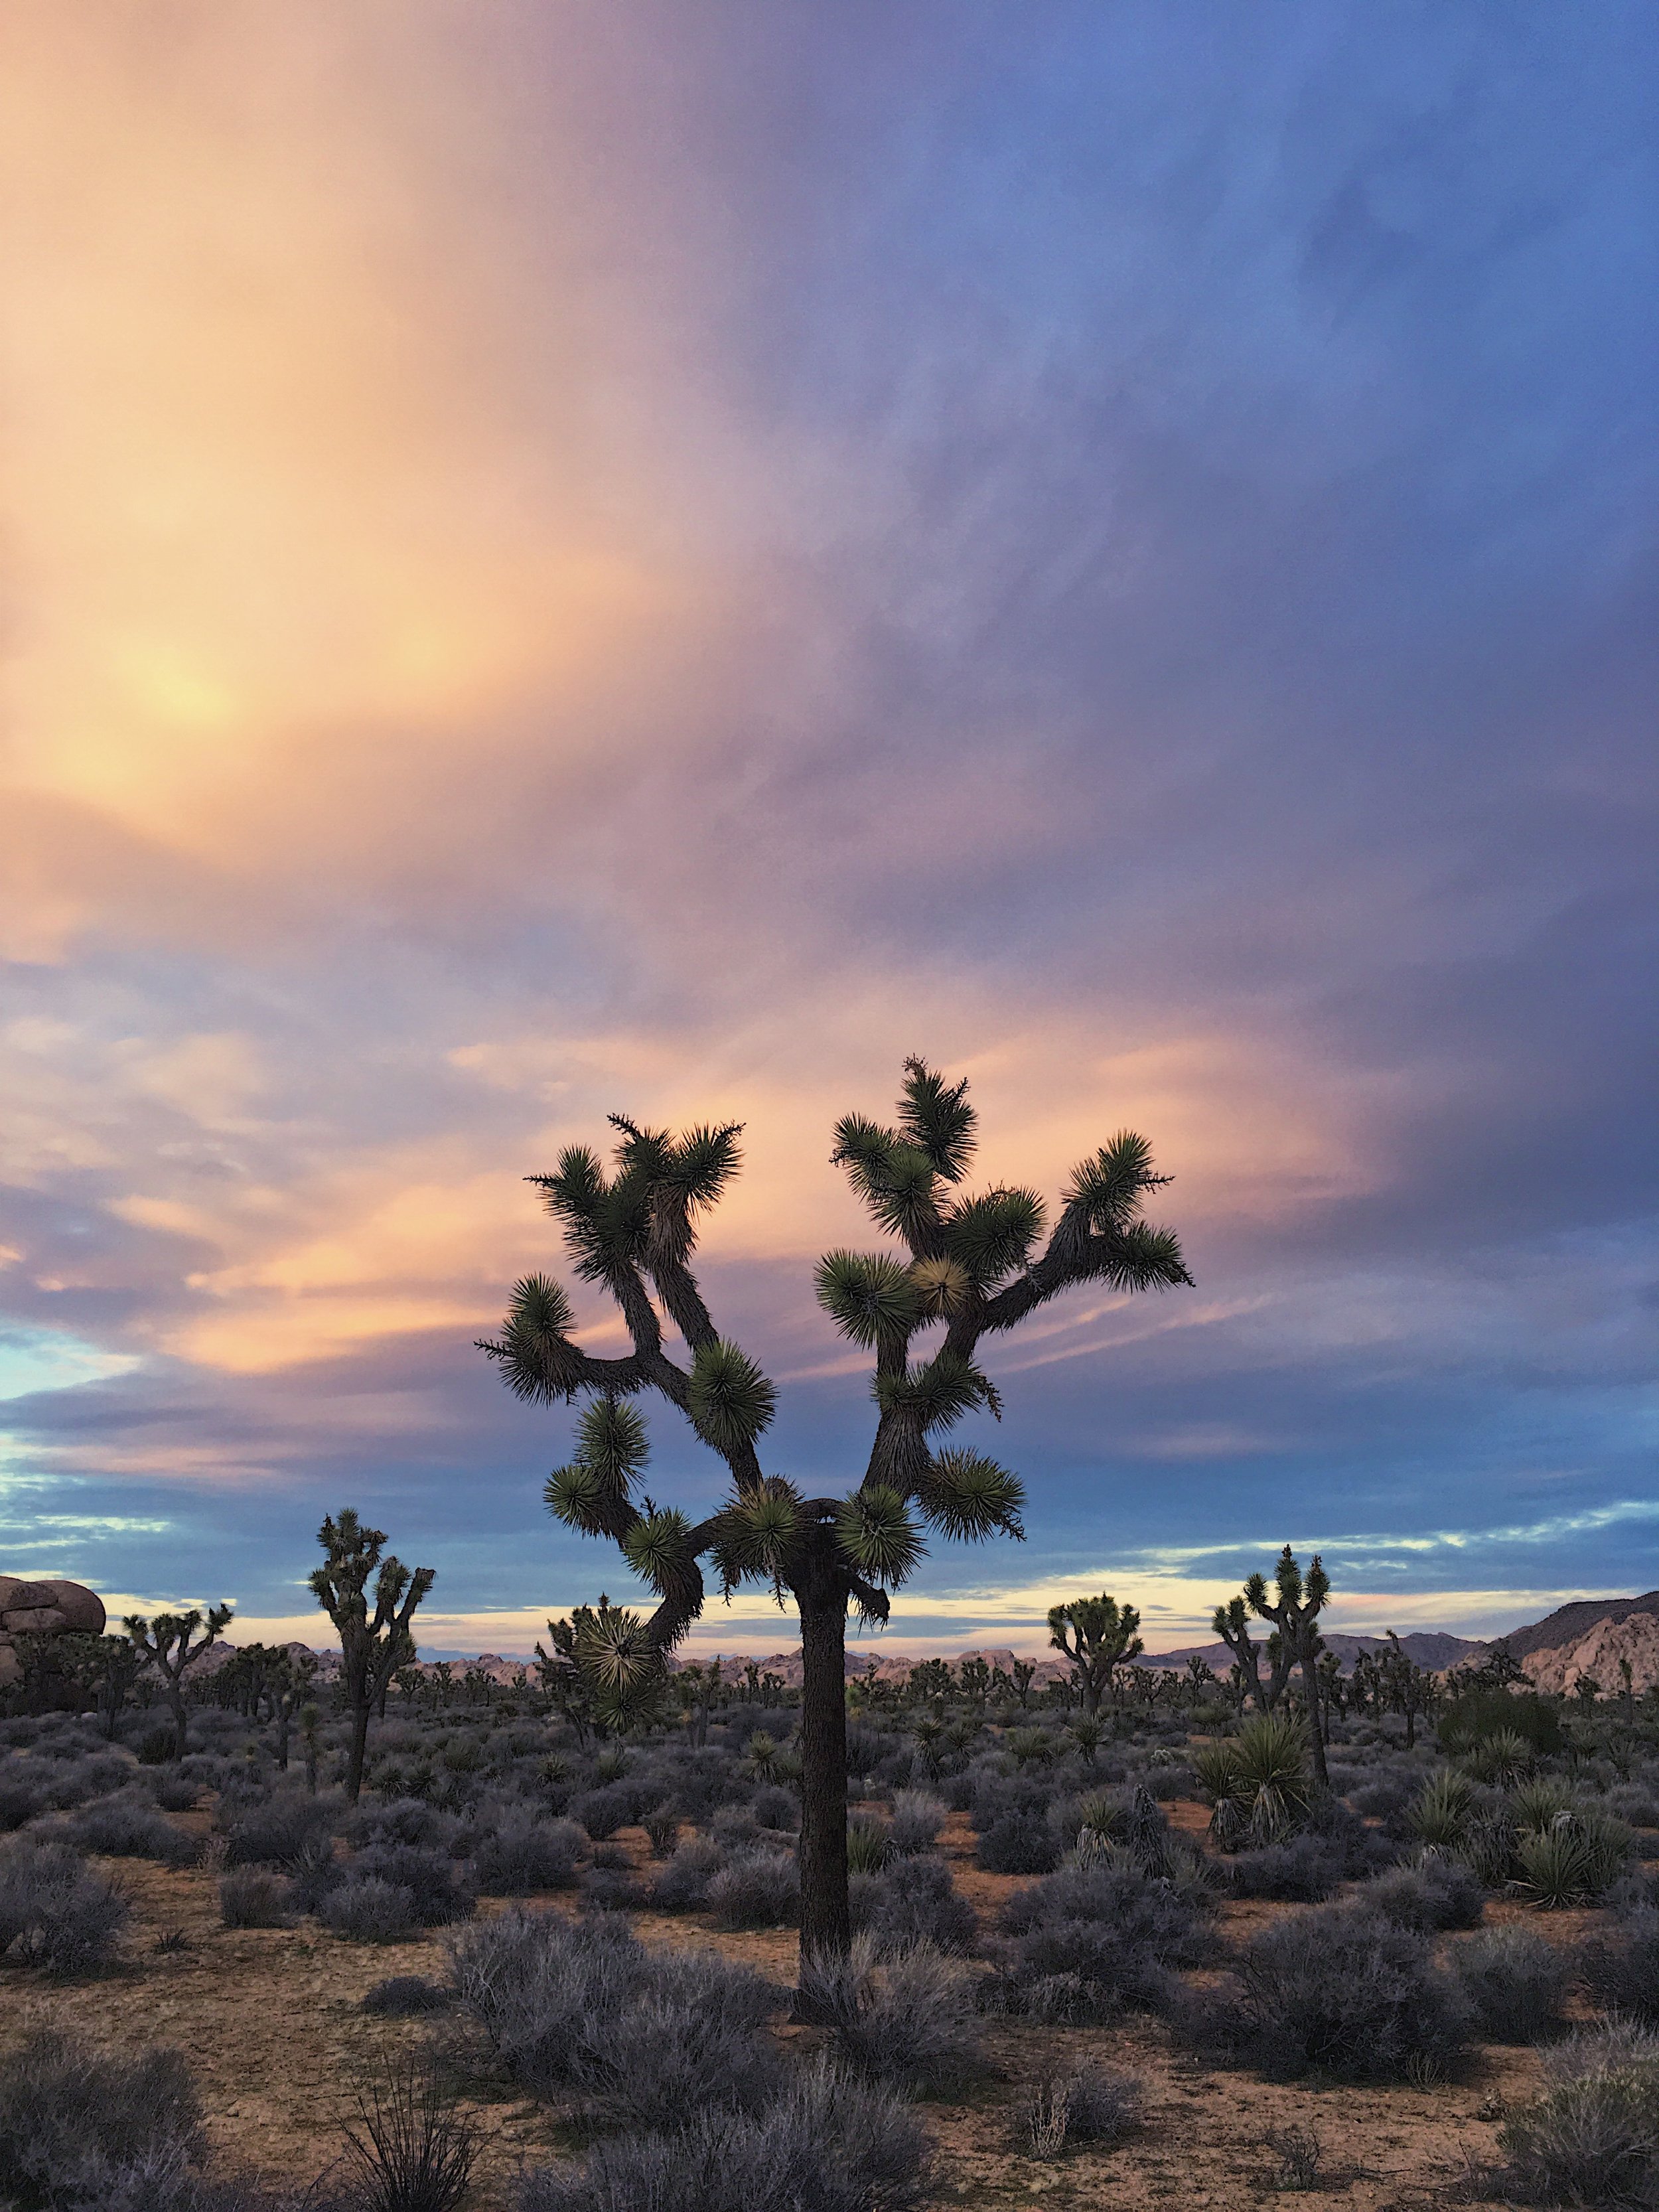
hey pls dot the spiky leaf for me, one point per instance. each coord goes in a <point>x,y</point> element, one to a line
<point>875,1537</point>
<point>993,1233</point>
<point>868,1295</point>
<point>579,1498</point>
<point>937,1119</point>
<point>968,1497</point>
<point>939,1393</point>
<point>731,1401</point>
<point>612,1439</point>
<point>943,1287</point>
<point>655,1548</point>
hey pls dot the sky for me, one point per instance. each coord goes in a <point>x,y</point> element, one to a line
<point>562,560</point>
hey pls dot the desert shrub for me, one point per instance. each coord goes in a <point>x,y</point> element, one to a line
<point>774,1806</point>
<point>401,1996</point>
<point>313,1873</point>
<point>1539,1803</point>
<point>917,1820</point>
<point>1516,1982</point>
<point>79,2129</point>
<point>403,1821</point>
<point>1090,2105</point>
<point>1435,1894</point>
<point>913,1901</point>
<point>613,1804</point>
<point>756,1889</point>
<point>437,1885</point>
<point>1018,1842</point>
<point>253,1897</point>
<point>829,2143</point>
<point>1482,1713</point>
<point>682,1884</point>
<point>1620,1967</point>
<point>524,1855</point>
<point>411,2150</point>
<point>662,1829</point>
<point>612,1889</point>
<point>1332,1991</point>
<point>126,1828</point>
<point>652,2037</point>
<point>20,1801</point>
<point>55,1911</point>
<point>278,1831</point>
<point>174,1793</point>
<point>367,1910</point>
<point>1090,1940</point>
<point>911,2023</point>
<point>1304,1871</point>
<point>66,1781</point>
<point>1593,2138</point>
<point>1636,1803</point>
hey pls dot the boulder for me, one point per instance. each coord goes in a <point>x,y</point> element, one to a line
<point>49,1608</point>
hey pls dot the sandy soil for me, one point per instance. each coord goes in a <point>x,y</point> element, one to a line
<point>269,2019</point>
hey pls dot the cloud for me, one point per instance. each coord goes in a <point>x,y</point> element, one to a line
<point>662,561</point>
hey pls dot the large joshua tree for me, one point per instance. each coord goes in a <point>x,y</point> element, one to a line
<point>964,1265</point>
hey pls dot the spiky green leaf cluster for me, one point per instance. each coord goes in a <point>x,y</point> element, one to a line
<point>533,1352</point>
<point>869,1296</point>
<point>877,1537</point>
<point>757,1533</point>
<point>655,1548</point>
<point>968,1497</point>
<point>591,1492</point>
<point>937,1394</point>
<point>993,1234</point>
<point>731,1401</point>
<point>935,1117</point>
<point>645,1213</point>
<point>621,1665</point>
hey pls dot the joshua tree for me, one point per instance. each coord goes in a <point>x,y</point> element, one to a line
<point>1232,1625</point>
<point>968,1264</point>
<point>166,1645</point>
<point>1404,1686</point>
<point>1098,1636</point>
<point>1295,1614</point>
<point>371,1646</point>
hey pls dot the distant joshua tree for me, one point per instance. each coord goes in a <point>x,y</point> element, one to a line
<point>373,1646</point>
<point>1293,1614</point>
<point>965,1262</point>
<point>1098,1636</point>
<point>172,1643</point>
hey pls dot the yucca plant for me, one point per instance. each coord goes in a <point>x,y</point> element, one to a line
<point>1441,1812</point>
<point>869,1844</point>
<point>1258,1780</point>
<point>1030,1747</point>
<point>1539,1803</point>
<point>970,1266</point>
<point>1503,1756</point>
<point>1574,1861</point>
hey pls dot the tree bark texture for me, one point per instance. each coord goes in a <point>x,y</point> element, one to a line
<point>826,1928</point>
<point>1315,1722</point>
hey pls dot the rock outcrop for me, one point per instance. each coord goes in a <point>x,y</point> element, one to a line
<point>49,1608</point>
<point>1635,1637</point>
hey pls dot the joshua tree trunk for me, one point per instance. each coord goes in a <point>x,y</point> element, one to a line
<point>359,1751</point>
<point>825,1917</point>
<point>1315,1723</point>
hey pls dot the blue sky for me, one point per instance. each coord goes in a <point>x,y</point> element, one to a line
<point>660,560</point>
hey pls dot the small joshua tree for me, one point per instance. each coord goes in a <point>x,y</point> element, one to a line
<point>371,1646</point>
<point>1098,1636</point>
<point>968,1264</point>
<point>172,1643</point>
<point>1294,1612</point>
